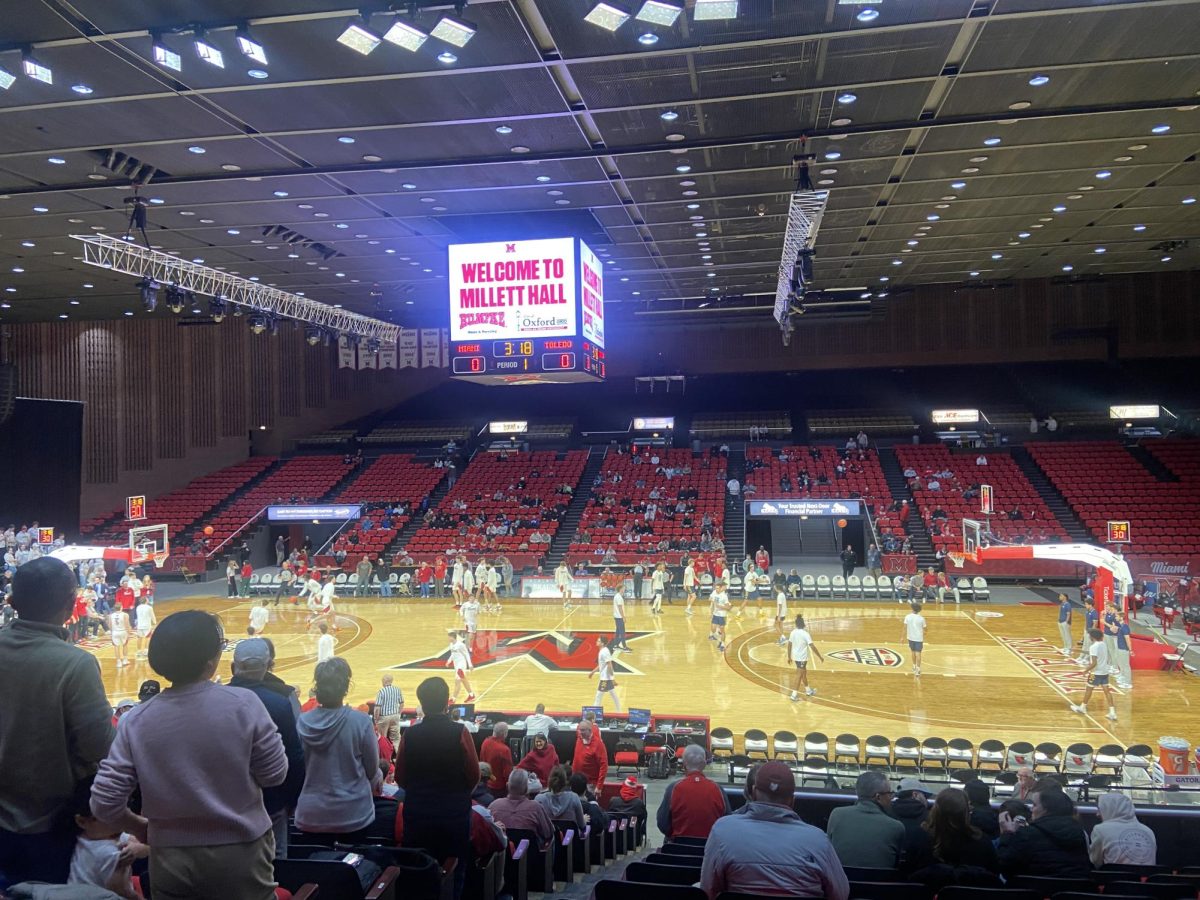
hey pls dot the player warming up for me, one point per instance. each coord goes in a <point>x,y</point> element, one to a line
<point>562,580</point>
<point>720,612</point>
<point>604,668</point>
<point>1099,670</point>
<point>618,611</point>
<point>781,614</point>
<point>689,586</point>
<point>800,643</point>
<point>470,616</point>
<point>259,616</point>
<point>914,629</point>
<point>460,661</point>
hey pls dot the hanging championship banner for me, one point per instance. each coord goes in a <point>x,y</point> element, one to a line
<point>387,356</point>
<point>431,348</point>
<point>346,355</point>
<point>366,359</point>
<point>409,339</point>
<point>445,352</point>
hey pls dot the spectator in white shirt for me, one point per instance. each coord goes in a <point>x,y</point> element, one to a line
<point>539,722</point>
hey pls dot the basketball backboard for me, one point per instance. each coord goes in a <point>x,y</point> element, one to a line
<point>149,543</point>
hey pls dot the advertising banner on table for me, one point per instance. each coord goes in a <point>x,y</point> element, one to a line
<point>387,356</point>
<point>507,290</point>
<point>804,508</point>
<point>591,295</point>
<point>309,513</point>
<point>431,348</point>
<point>408,347</point>
<point>346,354</point>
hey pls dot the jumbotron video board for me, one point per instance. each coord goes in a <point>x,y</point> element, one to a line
<point>526,312</point>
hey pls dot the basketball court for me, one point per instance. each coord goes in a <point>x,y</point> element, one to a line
<point>990,672</point>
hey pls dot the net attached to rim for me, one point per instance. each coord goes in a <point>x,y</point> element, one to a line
<point>959,557</point>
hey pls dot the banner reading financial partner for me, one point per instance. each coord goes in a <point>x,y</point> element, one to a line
<point>310,513</point>
<point>804,508</point>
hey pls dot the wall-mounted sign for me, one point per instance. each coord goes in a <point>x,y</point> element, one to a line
<point>954,416</point>
<point>311,513</point>
<point>805,508</point>
<point>653,423</point>
<point>508,427</point>
<point>1136,411</point>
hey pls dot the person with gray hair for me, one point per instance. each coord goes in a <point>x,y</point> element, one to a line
<point>691,806</point>
<point>865,835</point>
<point>518,811</point>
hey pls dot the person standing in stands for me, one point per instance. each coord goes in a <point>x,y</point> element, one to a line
<point>202,797</point>
<point>693,804</point>
<point>55,728</point>
<point>498,755</point>
<point>591,756</point>
<point>437,766</point>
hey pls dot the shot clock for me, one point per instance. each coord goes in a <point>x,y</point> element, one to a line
<point>526,312</point>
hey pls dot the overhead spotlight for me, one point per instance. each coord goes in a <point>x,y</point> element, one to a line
<point>453,30</point>
<point>402,34</point>
<point>715,9</point>
<point>258,322</point>
<point>608,16</point>
<point>358,37</point>
<point>312,335</point>
<point>217,308</point>
<point>175,299</point>
<point>148,288</point>
<point>7,79</point>
<point>207,51</point>
<point>659,13</point>
<point>251,48</point>
<point>165,56</point>
<point>36,70</point>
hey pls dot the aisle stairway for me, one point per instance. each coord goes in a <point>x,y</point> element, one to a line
<point>818,538</point>
<point>893,473</point>
<point>579,501</point>
<point>1055,501</point>
<point>735,521</point>
<point>1152,463</point>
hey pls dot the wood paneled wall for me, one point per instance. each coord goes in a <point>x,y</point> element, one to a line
<point>166,404</point>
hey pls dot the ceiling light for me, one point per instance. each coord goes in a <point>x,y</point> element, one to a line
<point>251,48</point>
<point>1039,80</point>
<point>1060,209</point>
<point>402,34</point>
<point>710,10</point>
<point>997,256</point>
<point>868,15</point>
<point>196,149</point>
<point>659,13</point>
<point>56,161</point>
<point>165,56</point>
<point>1024,234</point>
<point>683,168</point>
<point>1100,250</point>
<point>607,16</point>
<point>231,167</point>
<point>913,243</point>
<point>28,244</point>
<point>1122,158</point>
<point>958,185</point>
<point>1104,174</point>
<point>933,217</point>
<point>847,98</point>
<point>258,73</point>
<point>43,209</point>
<point>358,38</point>
<point>991,142</point>
<point>1136,147</point>
<point>1020,104</point>
<point>1165,259</point>
<point>973,274</point>
<point>1139,227</point>
<point>36,70</point>
<point>81,89</point>
<point>447,58</point>
<point>7,79</point>
<point>503,129</point>
<point>668,115</point>
<point>206,51</point>
<point>280,193</point>
<point>345,139</point>
<point>833,154</point>
<point>453,31</point>
<point>148,288</point>
<point>649,39</point>
<point>1160,129</point>
<point>1188,201</point>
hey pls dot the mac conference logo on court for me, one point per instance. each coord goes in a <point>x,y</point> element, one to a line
<point>550,651</point>
<point>868,656</point>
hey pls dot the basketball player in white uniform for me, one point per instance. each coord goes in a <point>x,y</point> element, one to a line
<point>258,618</point>
<point>720,613</point>
<point>689,586</point>
<point>562,580</point>
<point>914,630</point>
<point>604,668</point>
<point>470,616</point>
<point>781,612</point>
<point>658,587</point>
<point>144,622</point>
<point>118,632</point>
<point>460,661</point>
<point>801,643</point>
<point>491,586</point>
<point>468,582</point>
<point>456,581</point>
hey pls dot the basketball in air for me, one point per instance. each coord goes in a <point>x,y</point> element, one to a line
<point>208,530</point>
<point>841,523</point>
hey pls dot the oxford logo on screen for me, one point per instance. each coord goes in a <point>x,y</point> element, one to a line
<point>868,656</point>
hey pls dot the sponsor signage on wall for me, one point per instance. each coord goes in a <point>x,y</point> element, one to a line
<point>311,513</point>
<point>1135,411</point>
<point>805,508</point>
<point>508,427</point>
<point>653,423</point>
<point>955,416</point>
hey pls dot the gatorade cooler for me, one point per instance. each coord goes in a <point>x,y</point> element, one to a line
<point>1173,755</point>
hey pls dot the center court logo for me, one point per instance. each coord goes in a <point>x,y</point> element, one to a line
<point>868,656</point>
<point>571,652</point>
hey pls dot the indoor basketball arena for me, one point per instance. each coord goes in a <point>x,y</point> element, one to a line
<point>676,448</point>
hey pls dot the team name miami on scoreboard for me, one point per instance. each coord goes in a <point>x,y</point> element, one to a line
<point>526,311</point>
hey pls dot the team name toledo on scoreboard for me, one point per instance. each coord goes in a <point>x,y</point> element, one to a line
<point>509,283</point>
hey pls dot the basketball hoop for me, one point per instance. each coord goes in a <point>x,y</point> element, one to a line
<point>958,558</point>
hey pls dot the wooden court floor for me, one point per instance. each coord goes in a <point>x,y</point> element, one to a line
<point>995,675</point>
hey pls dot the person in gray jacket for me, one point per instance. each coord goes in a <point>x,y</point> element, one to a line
<point>561,805</point>
<point>865,835</point>
<point>769,849</point>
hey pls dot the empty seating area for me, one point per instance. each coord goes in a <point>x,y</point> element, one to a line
<point>334,437</point>
<point>549,430</point>
<point>1084,418</point>
<point>393,478</point>
<point>955,474</point>
<point>516,495</point>
<point>1102,481</point>
<point>844,424</point>
<point>682,487</point>
<point>302,479</point>
<point>738,424</point>
<point>419,433</point>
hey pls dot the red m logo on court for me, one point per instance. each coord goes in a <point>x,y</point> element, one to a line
<point>551,651</point>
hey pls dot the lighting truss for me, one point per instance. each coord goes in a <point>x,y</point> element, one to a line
<point>804,218</point>
<point>118,255</point>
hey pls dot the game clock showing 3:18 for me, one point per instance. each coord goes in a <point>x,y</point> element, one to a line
<point>526,312</point>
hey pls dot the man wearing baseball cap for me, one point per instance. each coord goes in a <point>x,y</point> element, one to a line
<point>911,807</point>
<point>769,849</point>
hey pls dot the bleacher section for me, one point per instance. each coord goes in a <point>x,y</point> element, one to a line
<point>844,424</point>
<point>334,437</point>
<point>738,424</point>
<point>419,433</point>
<point>394,478</point>
<point>520,489</point>
<point>1091,419</point>
<point>1102,480</point>
<point>549,430</point>
<point>618,506</point>
<point>955,474</point>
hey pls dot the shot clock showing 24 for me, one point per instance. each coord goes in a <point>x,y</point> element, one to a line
<point>526,312</point>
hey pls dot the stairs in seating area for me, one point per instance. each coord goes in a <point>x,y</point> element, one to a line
<point>1055,501</point>
<point>413,525</point>
<point>579,501</point>
<point>734,529</point>
<point>817,537</point>
<point>897,484</point>
<point>1151,463</point>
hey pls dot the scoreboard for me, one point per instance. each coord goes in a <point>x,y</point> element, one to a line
<point>526,312</point>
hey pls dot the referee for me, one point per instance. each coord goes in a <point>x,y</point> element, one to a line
<point>388,703</point>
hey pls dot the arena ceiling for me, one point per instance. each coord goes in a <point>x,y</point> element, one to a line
<point>959,140</point>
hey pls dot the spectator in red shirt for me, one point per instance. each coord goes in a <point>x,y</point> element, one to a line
<point>496,753</point>
<point>247,571</point>
<point>929,582</point>
<point>762,558</point>
<point>439,576</point>
<point>78,623</point>
<point>691,806</point>
<point>425,578</point>
<point>540,759</point>
<point>591,756</point>
<point>126,598</point>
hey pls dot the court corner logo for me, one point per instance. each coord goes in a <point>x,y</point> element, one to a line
<point>868,656</point>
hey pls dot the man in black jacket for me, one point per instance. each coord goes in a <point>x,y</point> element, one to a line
<point>911,807</point>
<point>1053,843</point>
<point>251,659</point>
<point>983,816</point>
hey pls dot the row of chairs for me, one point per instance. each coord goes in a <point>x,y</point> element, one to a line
<point>868,587</point>
<point>934,753</point>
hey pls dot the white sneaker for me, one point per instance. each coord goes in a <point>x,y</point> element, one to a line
<point>811,691</point>
<point>795,696</point>
<point>1078,709</point>
<point>1112,715</point>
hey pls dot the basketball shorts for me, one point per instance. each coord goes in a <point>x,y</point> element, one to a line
<point>801,663</point>
<point>606,686</point>
<point>119,638</point>
<point>1098,681</point>
<point>719,620</point>
<point>143,632</point>
<point>915,646</point>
